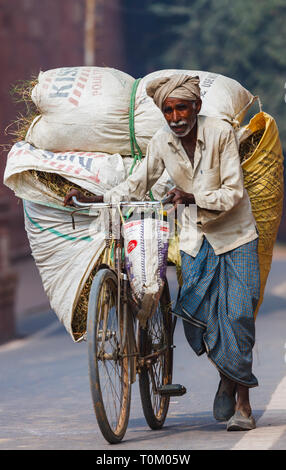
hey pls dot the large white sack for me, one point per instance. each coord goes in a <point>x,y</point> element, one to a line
<point>87,108</point>
<point>96,172</point>
<point>64,256</point>
<point>222,97</point>
<point>82,108</point>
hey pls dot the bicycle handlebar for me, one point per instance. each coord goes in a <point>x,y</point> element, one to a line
<point>101,205</point>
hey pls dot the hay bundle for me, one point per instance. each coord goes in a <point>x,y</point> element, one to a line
<point>79,318</point>
<point>57,183</point>
<point>248,145</point>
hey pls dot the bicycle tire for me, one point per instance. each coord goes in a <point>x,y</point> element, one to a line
<point>103,337</point>
<point>155,406</point>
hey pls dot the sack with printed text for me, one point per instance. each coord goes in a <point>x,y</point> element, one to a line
<point>88,108</point>
<point>67,254</point>
<point>222,97</point>
<point>146,251</point>
<point>82,108</point>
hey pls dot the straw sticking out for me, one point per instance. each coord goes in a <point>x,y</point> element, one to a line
<point>248,146</point>
<point>21,94</point>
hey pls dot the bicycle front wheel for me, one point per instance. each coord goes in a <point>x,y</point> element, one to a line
<point>155,342</point>
<point>108,361</point>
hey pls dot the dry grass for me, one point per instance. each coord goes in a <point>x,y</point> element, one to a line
<point>79,318</point>
<point>57,183</point>
<point>21,95</point>
<point>248,146</point>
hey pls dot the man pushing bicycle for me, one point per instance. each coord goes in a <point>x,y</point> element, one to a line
<point>219,258</point>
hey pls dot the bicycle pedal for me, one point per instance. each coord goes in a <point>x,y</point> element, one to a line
<point>172,390</point>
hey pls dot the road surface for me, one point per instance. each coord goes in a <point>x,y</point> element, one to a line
<point>46,402</point>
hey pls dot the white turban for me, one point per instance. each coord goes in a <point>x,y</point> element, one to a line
<point>177,86</point>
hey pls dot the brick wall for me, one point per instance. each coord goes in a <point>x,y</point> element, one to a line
<point>38,35</point>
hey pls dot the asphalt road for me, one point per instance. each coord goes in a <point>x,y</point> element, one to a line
<point>46,402</point>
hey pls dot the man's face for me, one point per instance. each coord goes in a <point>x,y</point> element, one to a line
<point>181,115</point>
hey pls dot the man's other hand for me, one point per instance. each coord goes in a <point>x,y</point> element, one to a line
<point>180,197</point>
<point>80,197</point>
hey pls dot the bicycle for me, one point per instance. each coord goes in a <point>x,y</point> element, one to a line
<point>119,347</point>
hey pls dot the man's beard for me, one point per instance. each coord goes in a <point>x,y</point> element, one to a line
<point>182,123</point>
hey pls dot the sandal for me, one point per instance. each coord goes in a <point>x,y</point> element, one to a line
<point>238,422</point>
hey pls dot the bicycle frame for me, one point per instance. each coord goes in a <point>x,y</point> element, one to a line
<point>130,330</point>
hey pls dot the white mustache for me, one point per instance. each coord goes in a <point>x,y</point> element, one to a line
<point>178,124</point>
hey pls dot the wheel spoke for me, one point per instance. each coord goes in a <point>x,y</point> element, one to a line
<point>155,338</point>
<point>111,390</point>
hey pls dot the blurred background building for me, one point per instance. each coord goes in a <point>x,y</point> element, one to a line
<point>242,40</point>
<point>39,35</point>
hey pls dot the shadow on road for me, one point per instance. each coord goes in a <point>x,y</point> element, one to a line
<point>179,425</point>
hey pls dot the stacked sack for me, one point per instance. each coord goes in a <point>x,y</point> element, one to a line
<point>93,124</point>
<point>87,108</point>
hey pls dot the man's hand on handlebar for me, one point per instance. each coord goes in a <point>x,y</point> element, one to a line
<point>80,197</point>
<point>180,197</point>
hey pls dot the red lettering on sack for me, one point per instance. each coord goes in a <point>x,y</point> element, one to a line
<point>17,153</point>
<point>77,92</point>
<point>131,245</point>
<point>60,166</point>
<point>94,178</point>
<point>131,224</point>
<point>73,101</point>
<point>69,169</point>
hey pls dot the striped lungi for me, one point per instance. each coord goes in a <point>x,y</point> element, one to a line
<point>217,303</point>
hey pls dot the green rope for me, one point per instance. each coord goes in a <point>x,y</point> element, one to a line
<point>135,149</point>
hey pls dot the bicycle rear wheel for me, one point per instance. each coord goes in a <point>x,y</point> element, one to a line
<point>157,371</point>
<point>108,363</point>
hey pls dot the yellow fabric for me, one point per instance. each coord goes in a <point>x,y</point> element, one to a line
<point>263,180</point>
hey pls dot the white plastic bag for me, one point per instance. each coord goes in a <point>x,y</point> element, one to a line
<point>146,249</point>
